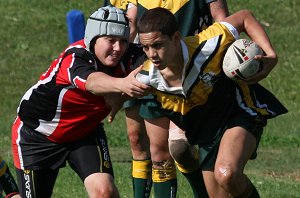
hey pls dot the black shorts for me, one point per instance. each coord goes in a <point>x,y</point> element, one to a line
<point>42,159</point>
<point>253,124</point>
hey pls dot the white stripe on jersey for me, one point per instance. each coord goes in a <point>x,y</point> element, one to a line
<point>201,58</point>
<point>19,147</point>
<point>47,127</point>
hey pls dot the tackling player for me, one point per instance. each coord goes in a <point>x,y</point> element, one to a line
<point>59,118</point>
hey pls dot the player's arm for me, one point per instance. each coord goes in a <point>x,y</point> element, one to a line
<point>218,9</point>
<point>244,21</point>
<point>132,17</point>
<point>100,83</point>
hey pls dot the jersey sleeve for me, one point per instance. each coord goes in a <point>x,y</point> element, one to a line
<point>143,75</point>
<point>74,70</point>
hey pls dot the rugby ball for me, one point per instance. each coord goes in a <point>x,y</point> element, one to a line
<point>238,62</point>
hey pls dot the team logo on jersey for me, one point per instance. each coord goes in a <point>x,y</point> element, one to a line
<point>208,78</point>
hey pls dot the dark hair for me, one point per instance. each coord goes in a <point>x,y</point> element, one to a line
<point>158,20</point>
<point>93,43</point>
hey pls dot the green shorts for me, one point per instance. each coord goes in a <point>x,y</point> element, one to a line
<point>150,108</point>
<point>145,102</point>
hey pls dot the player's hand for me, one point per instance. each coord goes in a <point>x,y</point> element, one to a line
<point>132,87</point>
<point>115,102</point>
<point>267,64</point>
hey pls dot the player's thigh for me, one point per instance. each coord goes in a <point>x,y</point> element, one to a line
<point>158,133</point>
<point>137,135</point>
<point>236,147</point>
<point>91,155</point>
<point>134,121</point>
<point>36,183</point>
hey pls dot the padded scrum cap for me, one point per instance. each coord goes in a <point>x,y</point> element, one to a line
<point>108,21</point>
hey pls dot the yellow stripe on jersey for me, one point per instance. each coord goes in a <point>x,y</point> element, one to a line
<point>248,99</point>
<point>121,4</point>
<point>171,5</point>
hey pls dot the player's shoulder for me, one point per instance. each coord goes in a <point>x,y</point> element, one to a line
<point>134,57</point>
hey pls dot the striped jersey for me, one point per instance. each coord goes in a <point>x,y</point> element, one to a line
<point>207,97</point>
<point>58,105</point>
<point>192,15</point>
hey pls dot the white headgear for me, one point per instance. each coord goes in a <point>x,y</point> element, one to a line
<point>109,21</point>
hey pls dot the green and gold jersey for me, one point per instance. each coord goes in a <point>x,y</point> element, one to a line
<point>121,4</point>
<point>207,97</point>
<point>192,15</point>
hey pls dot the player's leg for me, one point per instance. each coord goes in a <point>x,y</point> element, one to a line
<point>36,183</point>
<point>35,158</point>
<point>187,160</point>
<point>97,174</point>
<point>163,168</point>
<point>139,144</point>
<point>7,182</point>
<point>237,146</point>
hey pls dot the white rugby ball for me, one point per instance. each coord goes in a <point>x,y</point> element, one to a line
<point>238,62</point>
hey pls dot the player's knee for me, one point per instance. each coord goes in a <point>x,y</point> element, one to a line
<point>163,171</point>
<point>225,176</point>
<point>184,153</point>
<point>100,185</point>
<point>134,137</point>
<point>98,191</point>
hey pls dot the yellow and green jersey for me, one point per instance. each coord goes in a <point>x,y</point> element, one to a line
<point>207,98</point>
<point>121,4</point>
<point>192,15</point>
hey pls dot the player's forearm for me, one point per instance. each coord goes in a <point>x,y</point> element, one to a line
<point>100,83</point>
<point>244,21</point>
<point>258,34</point>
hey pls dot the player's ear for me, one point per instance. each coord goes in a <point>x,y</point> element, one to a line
<point>176,37</point>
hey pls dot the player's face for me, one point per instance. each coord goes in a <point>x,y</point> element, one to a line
<point>109,49</point>
<point>159,48</point>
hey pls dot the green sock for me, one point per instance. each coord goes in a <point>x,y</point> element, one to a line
<point>142,187</point>
<point>250,192</point>
<point>7,181</point>
<point>167,189</point>
<point>197,184</point>
<point>141,178</point>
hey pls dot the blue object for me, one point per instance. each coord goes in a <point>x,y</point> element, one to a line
<point>75,25</point>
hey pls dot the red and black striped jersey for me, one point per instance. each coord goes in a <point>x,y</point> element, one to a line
<point>58,105</point>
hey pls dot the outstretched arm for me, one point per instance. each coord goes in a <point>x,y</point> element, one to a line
<point>100,83</point>
<point>244,21</point>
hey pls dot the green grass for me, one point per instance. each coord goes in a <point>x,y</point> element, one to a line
<point>33,33</point>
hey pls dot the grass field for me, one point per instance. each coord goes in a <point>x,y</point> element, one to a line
<point>33,33</point>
